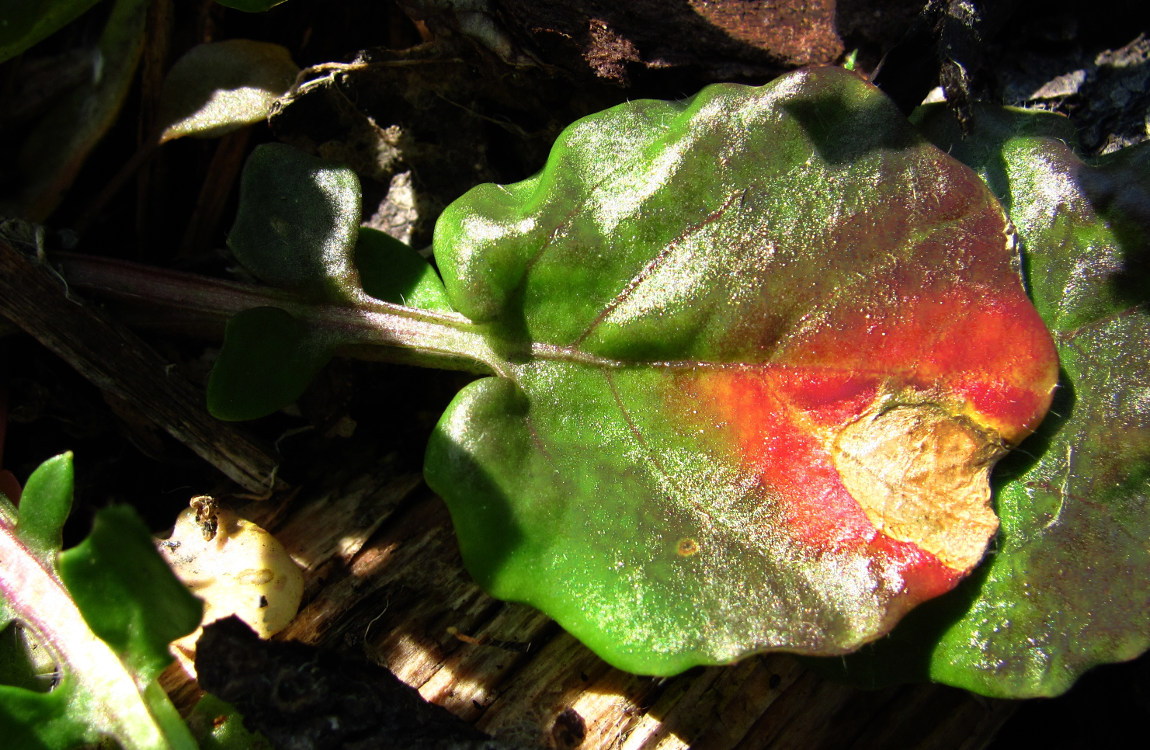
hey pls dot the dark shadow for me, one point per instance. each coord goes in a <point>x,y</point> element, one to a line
<point>480,511</point>
<point>298,695</point>
<point>1023,458</point>
<point>1017,45</point>
<point>508,335</point>
<point>988,160</point>
<point>1111,104</point>
<point>843,131</point>
<point>663,48</point>
<point>904,656</point>
<point>905,63</point>
<point>1106,707</point>
<point>1119,192</point>
<point>1132,282</point>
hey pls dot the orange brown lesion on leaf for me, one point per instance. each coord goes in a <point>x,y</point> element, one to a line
<point>867,461</point>
<point>886,423</point>
<point>750,413</point>
<point>922,475</point>
<point>984,351</point>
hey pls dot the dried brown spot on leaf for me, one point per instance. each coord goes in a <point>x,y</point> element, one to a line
<point>687,547</point>
<point>922,475</point>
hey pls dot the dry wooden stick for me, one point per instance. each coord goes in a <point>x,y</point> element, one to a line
<point>109,355</point>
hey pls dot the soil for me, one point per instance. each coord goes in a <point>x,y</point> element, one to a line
<point>438,97</point>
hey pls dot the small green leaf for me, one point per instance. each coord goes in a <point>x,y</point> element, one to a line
<point>219,87</point>
<point>268,359</point>
<point>394,272</point>
<point>25,22</point>
<point>218,726</point>
<point>763,347</point>
<point>298,222</point>
<point>45,505</point>
<point>129,597</point>
<point>120,588</point>
<point>48,721</point>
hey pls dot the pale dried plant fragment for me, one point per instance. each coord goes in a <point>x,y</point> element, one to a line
<point>236,567</point>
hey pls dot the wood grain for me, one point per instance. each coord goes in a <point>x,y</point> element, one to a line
<point>385,580</point>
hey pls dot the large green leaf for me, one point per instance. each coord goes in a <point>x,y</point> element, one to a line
<point>762,348</point>
<point>1069,586</point>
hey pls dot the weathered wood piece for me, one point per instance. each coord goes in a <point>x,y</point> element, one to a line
<point>118,362</point>
<point>385,581</point>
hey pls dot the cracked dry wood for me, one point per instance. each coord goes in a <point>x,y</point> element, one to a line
<point>384,579</point>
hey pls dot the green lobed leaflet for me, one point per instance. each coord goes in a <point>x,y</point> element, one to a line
<point>105,612</point>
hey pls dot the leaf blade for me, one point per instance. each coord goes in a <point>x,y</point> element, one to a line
<point>268,360</point>
<point>298,222</point>
<point>25,24</point>
<point>1077,513</point>
<point>55,150</point>
<point>127,594</point>
<point>723,292</point>
<point>45,505</point>
<point>101,692</point>
<point>394,272</point>
<point>1066,589</point>
<point>218,87</point>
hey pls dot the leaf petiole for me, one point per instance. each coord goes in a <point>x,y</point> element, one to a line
<point>372,330</point>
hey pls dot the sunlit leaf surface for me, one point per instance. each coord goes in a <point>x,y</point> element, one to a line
<point>1067,586</point>
<point>763,347</point>
<point>218,87</point>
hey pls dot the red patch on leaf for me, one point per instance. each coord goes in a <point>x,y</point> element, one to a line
<point>961,353</point>
<point>781,417</point>
<point>987,352</point>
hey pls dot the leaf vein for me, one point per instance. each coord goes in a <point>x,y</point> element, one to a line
<point>654,264</point>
